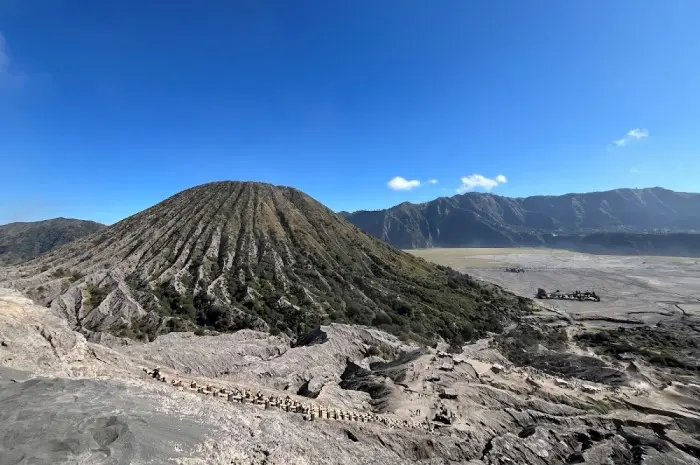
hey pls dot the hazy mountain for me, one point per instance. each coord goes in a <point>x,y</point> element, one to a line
<point>230,255</point>
<point>482,219</point>
<point>23,241</point>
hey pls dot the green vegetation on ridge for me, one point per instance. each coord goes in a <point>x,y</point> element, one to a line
<point>451,306</point>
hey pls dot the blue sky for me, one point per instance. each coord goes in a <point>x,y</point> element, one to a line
<point>109,107</point>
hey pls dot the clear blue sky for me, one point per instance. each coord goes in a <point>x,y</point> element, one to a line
<point>109,107</point>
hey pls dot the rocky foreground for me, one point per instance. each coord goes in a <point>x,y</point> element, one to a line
<point>68,400</point>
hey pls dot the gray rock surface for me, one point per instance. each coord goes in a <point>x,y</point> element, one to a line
<point>66,399</point>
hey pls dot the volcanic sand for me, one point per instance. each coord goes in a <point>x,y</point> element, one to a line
<point>633,289</point>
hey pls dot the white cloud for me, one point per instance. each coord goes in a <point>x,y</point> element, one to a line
<point>632,134</point>
<point>402,184</point>
<point>399,183</point>
<point>9,77</point>
<point>470,183</point>
<point>634,170</point>
<point>4,59</point>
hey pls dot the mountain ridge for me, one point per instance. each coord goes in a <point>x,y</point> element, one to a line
<point>567,194</point>
<point>478,219</point>
<point>25,240</point>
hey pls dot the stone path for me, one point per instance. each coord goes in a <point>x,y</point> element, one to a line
<point>309,411</point>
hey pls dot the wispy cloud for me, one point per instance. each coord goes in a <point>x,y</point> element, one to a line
<point>634,170</point>
<point>476,181</point>
<point>632,135</point>
<point>9,76</point>
<point>399,183</point>
<point>4,59</point>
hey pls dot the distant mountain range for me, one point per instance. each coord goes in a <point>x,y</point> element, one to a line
<point>26,240</point>
<point>622,220</point>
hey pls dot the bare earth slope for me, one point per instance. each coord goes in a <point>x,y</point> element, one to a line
<point>67,400</point>
<point>231,255</point>
<point>23,241</point>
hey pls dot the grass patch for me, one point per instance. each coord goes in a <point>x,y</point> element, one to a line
<point>59,273</point>
<point>380,350</point>
<point>72,276</point>
<point>96,295</point>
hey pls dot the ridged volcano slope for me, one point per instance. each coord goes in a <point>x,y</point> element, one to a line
<point>229,255</point>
